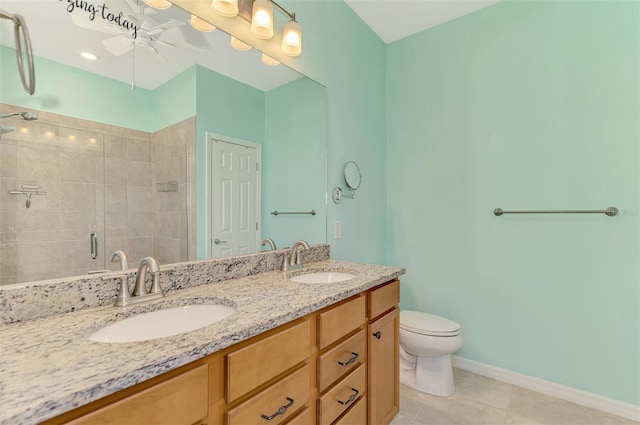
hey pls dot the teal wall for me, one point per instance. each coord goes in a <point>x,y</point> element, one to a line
<point>294,164</point>
<point>69,91</point>
<point>226,107</point>
<point>344,55</point>
<point>523,105</point>
<point>175,100</point>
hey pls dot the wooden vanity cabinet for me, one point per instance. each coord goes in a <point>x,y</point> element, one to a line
<point>337,366</point>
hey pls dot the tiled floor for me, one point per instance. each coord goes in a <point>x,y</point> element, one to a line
<point>484,401</point>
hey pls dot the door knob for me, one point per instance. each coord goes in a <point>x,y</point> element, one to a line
<point>218,241</point>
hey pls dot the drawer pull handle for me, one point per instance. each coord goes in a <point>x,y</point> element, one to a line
<point>281,411</point>
<point>352,359</point>
<point>350,399</point>
<point>378,334</point>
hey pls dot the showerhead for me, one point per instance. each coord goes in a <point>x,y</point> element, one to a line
<point>4,129</point>
<point>27,116</point>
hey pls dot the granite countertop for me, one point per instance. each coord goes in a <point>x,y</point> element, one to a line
<point>48,366</point>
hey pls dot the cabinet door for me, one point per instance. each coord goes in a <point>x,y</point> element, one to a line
<point>384,390</point>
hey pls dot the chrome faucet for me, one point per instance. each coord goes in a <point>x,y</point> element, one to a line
<point>292,259</point>
<point>120,256</point>
<point>270,242</point>
<point>140,294</point>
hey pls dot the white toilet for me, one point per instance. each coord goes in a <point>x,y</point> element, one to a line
<point>426,344</point>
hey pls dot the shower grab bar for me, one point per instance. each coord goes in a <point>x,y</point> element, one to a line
<point>312,212</point>
<point>611,211</point>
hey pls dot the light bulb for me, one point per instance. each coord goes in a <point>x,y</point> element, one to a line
<point>292,39</point>
<point>262,19</point>
<point>158,4</point>
<point>226,8</point>
<point>239,45</point>
<point>268,60</point>
<point>200,24</point>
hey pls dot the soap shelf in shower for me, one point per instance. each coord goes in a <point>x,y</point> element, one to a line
<point>169,186</point>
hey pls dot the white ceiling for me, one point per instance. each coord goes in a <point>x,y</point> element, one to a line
<point>396,19</point>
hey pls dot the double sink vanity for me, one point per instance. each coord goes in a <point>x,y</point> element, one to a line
<point>318,345</point>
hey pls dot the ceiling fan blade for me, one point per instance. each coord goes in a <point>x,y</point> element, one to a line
<point>164,43</point>
<point>157,54</point>
<point>171,23</point>
<point>118,45</point>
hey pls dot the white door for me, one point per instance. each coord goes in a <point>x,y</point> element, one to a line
<point>235,195</point>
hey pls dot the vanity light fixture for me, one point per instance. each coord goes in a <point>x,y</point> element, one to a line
<point>262,19</point>
<point>259,13</point>
<point>292,38</point>
<point>226,8</point>
<point>200,24</point>
<point>239,44</point>
<point>268,60</point>
<point>158,4</point>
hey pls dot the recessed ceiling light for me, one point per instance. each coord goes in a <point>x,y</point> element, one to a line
<point>89,56</point>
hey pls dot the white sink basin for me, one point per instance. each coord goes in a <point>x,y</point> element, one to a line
<point>162,323</point>
<point>323,277</point>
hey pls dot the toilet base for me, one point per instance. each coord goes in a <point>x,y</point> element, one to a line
<point>432,375</point>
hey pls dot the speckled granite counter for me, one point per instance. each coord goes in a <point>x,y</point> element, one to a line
<point>48,366</point>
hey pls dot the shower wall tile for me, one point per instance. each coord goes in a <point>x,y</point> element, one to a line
<point>140,197</point>
<point>77,167</point>
<point>77,226</point>
<point>75,140</point>
<point>138,151</point>
<point>37,163</point>
<point>77,196</point>
<point>77,255</point>
<point>115,199</point>
<point>115,147</point>
<point>140,248</point>
<point>170,225</point>
<point>8,260</point>
<point>140,224</point>
<point>139,173</point>
<point>116,225</point>
<point>38,257</point>
<point>28,220</point>
<point>115,171</point>
<point>8,161</point>
<point>8,202</point>
<point>48,202</point>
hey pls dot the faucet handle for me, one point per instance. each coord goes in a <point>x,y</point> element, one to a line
<point>123,294</point>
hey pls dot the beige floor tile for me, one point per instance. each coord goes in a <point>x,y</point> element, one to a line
<point>529,407</point>
<point>460,411</point>
<point>481,389</point>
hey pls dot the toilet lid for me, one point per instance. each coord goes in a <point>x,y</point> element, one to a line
<point>428,324</point>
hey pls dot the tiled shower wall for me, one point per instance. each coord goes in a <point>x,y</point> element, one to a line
<point>97,178</point>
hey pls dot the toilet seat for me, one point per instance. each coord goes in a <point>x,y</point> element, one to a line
<point>428,324</point>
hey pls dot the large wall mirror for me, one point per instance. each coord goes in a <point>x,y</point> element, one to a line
<point>163,145</point>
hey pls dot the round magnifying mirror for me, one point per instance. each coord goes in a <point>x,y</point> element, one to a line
<point>352,175</point>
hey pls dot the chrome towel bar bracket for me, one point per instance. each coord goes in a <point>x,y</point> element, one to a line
<point>611,211</point>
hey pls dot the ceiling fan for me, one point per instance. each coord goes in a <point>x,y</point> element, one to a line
<point>133,22</point>
<point>147,35</point>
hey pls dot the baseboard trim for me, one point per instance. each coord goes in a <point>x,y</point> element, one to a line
<point>584,398</point>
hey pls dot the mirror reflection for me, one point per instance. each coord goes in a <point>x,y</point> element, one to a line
<point>122,147</point>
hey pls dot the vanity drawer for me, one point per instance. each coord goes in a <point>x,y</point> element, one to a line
<point>303,418</point>
<point>339,321</point>
<point>329,363</point>
<point>337,400</point>
<point>252,366</point>
<point>179,400</point>
<point>384,298</point>
<point>357,415</point>
<point>294,391</point>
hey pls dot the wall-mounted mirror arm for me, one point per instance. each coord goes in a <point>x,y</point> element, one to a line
<point>352,178</point>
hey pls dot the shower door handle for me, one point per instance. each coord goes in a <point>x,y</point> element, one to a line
<point>94,245</point>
